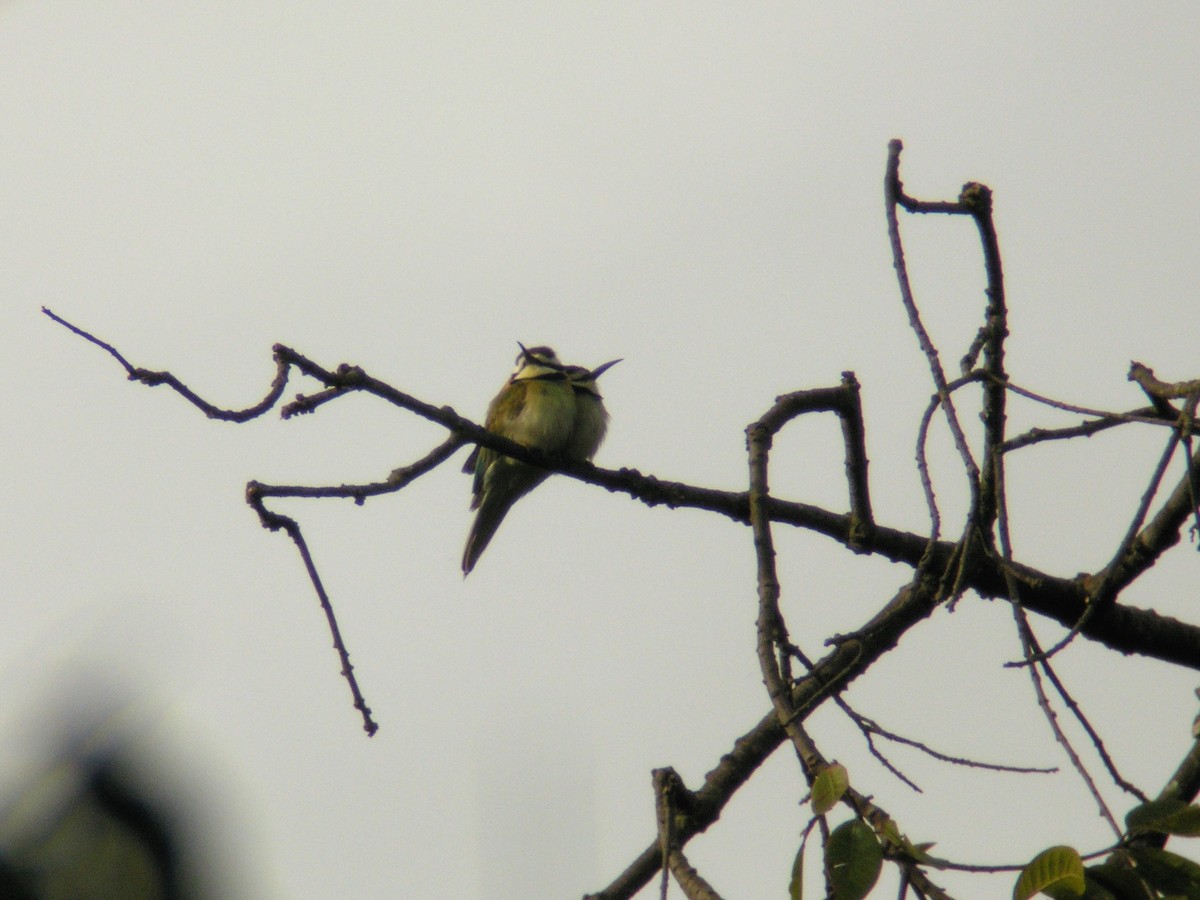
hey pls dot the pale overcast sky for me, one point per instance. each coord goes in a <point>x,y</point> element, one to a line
<point>693,187</point>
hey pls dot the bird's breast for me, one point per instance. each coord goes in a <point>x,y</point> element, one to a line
<point>546,417</point>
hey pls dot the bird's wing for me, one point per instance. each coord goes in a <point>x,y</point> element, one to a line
<point>481,458</point>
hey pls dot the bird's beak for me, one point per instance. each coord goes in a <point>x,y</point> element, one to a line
<point>600,370</point>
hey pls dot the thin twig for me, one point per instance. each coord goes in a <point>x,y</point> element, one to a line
<point>1086,725</point>
<point>935,402</point>
<point>1030,644</point>
<point>894,195</point>
<point>1146,415</point>
<point>153,379</point>
<point>1031,650</point>
<point>1041,435</point>
<point>1101,592</point>
<point>274,521</point>
<point>869,725</point>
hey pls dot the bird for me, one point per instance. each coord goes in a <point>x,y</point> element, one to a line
<point>536,407</point>
<point>591,418</point>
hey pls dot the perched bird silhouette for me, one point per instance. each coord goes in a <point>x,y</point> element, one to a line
<point>545,405</point>
<point>591,418</point>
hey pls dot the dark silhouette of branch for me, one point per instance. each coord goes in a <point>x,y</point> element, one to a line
<point>275,522</point>
<point>1084,429</point>
<point>1032,650</point>
<point>981,560</point>
<point>870,727</point>
<point>849,658</point>
<point>1160,393</point>
<point>893,192</point>
<point>153,379</point>
<point>1162,390</point>
<point>846,402</point>
<point>1160,534</point>
<point>977,198</point>
<point>1121,628</point>
<point>668,791</point>
<point>772,642</point>
<point>935,516</point>
<point>1101,593</point>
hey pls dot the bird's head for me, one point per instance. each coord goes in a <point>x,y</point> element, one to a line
<point>583,379</point>
<point>536,362</point>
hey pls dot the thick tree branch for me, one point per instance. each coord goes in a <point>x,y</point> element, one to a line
<point>669,791</point>
<point>1125,629</point>
<point>977,198</point>
<point>845,662</point>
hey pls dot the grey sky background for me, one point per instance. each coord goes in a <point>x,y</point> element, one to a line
<point>693,187</point>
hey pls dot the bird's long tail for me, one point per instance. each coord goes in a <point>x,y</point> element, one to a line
<point>487,520</point>
<point>506,484</point>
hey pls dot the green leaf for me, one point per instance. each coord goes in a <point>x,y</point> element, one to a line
<point>796,885</point>
<point>1120,881</point>
<point>1165,816</point>
<point>1093,890</point>
<point>1056,872</point>
<point>853,858</point>
<point>890,832</point>
<point>1166,871</point>
<point>828,788</point>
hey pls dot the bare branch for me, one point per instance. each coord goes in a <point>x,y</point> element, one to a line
<point>1161,390</point>
<point>274,521</point>
<point>1159,535</point>
<point>849,659</point>
<point>1126,629</point>
<point>772,640</point>
<point>153,379</point>
<point>935,516</point>
<point>1030,644</point>
<point>977,199</point>
<point>669,792</point>
<point>894,195</point>
<point>1083,429</point>
<point>982,560</point>
<point>870,726</point>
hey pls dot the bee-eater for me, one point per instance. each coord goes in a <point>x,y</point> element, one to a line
<point>591,418</point>
<point>536,407</point>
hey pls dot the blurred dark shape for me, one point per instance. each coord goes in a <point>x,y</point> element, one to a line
<point>87,829</point>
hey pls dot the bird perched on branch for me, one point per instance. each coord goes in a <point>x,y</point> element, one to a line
<point>591,418</point>
<point>544,405</point>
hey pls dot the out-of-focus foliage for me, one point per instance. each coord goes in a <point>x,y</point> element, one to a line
<point>87,829</point>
